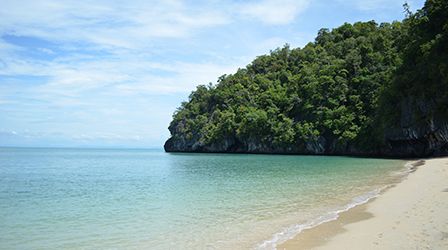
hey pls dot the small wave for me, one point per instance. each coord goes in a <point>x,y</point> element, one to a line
<point>412,166</point>
<point>409,167</point>
<point>292,231</point>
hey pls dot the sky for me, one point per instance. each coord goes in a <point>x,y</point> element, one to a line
<point>111,73</point>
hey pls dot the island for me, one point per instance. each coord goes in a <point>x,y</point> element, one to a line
<point>364,89</point>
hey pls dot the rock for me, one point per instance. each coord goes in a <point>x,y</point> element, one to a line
<point>420,133</point>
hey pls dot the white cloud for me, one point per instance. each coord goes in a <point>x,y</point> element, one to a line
<point>274,11</point>
<point>123,32</point>
<point>103,67</point>
<point>105,23</point>
<point>130,75</point>
<point>185,77</point>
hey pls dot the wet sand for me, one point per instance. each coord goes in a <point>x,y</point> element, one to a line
<point>410,215</point>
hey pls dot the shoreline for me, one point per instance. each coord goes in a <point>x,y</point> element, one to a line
<point>405,157</point>
<point>411,214</point>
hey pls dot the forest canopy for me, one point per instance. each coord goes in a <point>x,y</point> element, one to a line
<point>341,92</point>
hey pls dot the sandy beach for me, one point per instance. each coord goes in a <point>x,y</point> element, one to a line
<point>410,215</point>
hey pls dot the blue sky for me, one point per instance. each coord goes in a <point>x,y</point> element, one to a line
<point>111,73</point>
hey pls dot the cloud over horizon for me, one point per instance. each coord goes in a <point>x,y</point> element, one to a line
<point>72,70</point>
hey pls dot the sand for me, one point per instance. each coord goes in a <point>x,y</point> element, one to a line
<point>411,215</point>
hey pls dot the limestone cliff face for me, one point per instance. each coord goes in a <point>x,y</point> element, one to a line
<point>420,133</point>
<point>416,141</point>
<point>363,89</point>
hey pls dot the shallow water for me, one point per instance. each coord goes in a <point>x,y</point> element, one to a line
<point>133,199</point>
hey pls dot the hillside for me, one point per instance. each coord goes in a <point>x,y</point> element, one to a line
<point>359,89</point>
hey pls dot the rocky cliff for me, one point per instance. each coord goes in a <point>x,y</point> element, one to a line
<point>359,89</point>
<point>412,140</point>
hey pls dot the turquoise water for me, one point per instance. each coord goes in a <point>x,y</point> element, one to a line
<point>148,199</point>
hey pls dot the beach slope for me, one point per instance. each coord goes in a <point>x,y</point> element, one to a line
<point>411,215</point>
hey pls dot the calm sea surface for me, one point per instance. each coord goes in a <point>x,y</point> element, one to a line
<point>148,199</point>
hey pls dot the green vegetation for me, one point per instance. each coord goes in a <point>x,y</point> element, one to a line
<point>423,73</point>
<point>340,91</point>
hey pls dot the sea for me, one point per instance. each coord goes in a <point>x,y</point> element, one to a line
<point>67,198</point>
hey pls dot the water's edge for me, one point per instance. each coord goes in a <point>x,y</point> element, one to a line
<point>294,230</point>
<point>121,198</point>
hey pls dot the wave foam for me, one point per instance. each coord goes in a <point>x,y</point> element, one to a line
<point>292,231</point>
